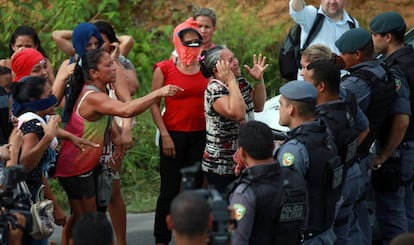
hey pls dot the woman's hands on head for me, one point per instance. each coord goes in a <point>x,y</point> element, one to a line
<point>224,72</point>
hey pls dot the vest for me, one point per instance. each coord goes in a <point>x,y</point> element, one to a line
<point>324,176</point>
<point>340,120</point>
<point>281,203</point>
<point>404,63</point>
<point>382,96</point>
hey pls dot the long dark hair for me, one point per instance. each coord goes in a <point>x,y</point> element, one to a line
<point>81,74</point>
<point>105,28</point>
<point>25,31</point>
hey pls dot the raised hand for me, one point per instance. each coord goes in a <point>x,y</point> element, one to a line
<point>259,66</point>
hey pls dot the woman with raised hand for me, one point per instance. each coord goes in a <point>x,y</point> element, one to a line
<point>229,100</point>
<point>91,109</point>
<point>26,37</point>
<point>84,38</point>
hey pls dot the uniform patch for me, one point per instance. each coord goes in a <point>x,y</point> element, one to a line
<point>292,212</point>
<point>397,84</point>
<point>288,159</point>
<point>239,211</point>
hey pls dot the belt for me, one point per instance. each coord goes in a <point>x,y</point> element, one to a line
<point>311,234</point>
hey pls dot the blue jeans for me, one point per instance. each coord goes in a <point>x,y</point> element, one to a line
<point>395,210</point>
<point>350,193</point>
<point>360,222</point>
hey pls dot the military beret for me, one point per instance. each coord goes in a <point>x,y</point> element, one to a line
<point>353,40</point>
<point>387,22</point>
<point>299,91</point>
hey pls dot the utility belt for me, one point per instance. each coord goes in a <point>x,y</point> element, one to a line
<point>311,234</point>
<point>388,177</point>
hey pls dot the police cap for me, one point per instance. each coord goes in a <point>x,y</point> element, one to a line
<point>387,22</point>
<point>353,40</point>
<point>299,91</point>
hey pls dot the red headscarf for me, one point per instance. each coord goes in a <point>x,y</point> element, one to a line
<point>186,54</point>
<point>23,62</point>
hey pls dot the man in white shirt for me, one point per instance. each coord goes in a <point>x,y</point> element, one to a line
<point>336,21</point>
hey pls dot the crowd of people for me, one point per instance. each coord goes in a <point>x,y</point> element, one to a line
<point>342,174</point>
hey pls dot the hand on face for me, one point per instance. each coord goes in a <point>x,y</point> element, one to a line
<point>224,72</point>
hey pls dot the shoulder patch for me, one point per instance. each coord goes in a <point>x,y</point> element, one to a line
<point>288,159</point>
<point>397,84</point>
<point>239,211</point>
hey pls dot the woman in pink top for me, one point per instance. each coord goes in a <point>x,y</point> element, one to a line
<point>90,119</point>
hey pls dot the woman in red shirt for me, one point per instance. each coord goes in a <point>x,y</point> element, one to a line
<point>182,126</point>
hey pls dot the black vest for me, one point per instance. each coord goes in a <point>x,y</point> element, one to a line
<point>324,176</point>
<point>281,203</point>
<point>382,97</point>
<point>340,119</point>
<point>403,61</point>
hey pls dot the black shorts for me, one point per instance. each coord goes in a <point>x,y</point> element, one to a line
<point>79,187</point>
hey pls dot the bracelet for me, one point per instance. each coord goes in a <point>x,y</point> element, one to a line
<point>258,81</point>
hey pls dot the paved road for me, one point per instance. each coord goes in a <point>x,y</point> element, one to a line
<point>139,230</point>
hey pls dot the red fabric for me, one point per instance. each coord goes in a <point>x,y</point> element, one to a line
<point>186,54</point>
<point>23,62</point>
<point>185,111</point>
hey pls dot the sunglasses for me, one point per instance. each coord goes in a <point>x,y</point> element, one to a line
<point>192,43</point>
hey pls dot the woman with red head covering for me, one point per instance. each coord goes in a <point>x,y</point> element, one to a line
<point>29,62</point>
<point>182,126</point>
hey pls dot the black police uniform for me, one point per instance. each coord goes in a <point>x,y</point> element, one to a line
<point>270,204</point>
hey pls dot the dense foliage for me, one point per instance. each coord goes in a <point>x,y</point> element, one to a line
<point>238,28</point>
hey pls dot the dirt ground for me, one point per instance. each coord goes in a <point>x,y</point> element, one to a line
<point>271,12</point>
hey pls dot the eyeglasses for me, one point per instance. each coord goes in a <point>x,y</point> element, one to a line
<point>192,43</point>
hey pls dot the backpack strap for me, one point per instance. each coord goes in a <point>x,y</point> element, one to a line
<point>316,27</point>
<point>351,23</point>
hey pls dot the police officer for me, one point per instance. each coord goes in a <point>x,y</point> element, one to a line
<point>348,126</point>
<point>310,149</point>
<point>395,148</point>
<point>269,202</point>
<point>374,88</point>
